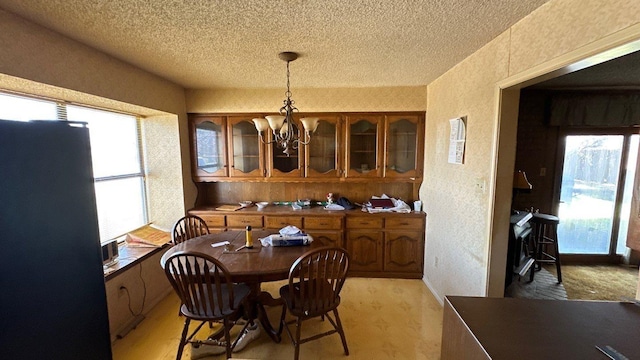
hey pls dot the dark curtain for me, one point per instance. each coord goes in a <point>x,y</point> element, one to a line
<point>602,110</point>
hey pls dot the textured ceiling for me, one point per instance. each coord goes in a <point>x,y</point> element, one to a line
<point>234,43</point>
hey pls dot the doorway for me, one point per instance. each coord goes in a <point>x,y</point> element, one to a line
<point>509,97</point>
<point>597,175</point>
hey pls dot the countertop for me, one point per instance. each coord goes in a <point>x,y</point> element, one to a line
<point>316,210</point>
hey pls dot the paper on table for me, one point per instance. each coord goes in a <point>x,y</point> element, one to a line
<point>223,243</point>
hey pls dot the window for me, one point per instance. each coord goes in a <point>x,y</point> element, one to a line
<point>117,169</point>
<point>115,153</point>
<point>23,108</point>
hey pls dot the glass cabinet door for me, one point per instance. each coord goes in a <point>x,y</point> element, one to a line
<point>403,157</point>
<point>246,148</point>
<point>281,164</point>
<point>209,146</point>
<point>322,154</point>
<point>364,146</point>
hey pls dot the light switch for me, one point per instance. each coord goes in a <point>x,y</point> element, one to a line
<point>543,171</point>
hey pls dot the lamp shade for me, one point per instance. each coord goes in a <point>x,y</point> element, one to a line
<point>275,121</point>
<point>310,124</point>
<point>261,124</point>
<point>520,181</point>
<point>284,129</point>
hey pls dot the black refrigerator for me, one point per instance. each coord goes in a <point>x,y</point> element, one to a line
<point>52,287</point>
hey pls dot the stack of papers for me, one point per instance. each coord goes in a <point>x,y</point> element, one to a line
<point>147,236</point>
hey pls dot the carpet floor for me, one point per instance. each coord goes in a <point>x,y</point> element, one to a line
<point>599,282</point>
<point>579,282</point>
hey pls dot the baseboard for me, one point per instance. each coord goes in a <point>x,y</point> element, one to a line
<point>130,326</point>
<point>433,291</point>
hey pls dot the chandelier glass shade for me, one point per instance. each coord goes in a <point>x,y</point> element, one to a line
<point>283,127</point>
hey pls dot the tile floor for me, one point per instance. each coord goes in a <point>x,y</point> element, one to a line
<point>382,318</point>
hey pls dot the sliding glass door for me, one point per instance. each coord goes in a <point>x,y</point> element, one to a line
<point>595,193</point>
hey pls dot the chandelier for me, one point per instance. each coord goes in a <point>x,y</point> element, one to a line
<point>283,127</point>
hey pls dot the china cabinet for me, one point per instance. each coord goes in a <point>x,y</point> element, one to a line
<point>209,146</point>
<point>323,153</point>
<point>245,148</point>
<point>345,147</point>
<point>281,165</point>
<point>403,146</point>
<point>364,146</point>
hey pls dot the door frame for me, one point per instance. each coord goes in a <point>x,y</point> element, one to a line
<point>508,98</point>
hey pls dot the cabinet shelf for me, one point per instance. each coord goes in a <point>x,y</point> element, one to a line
<point>342,143</point>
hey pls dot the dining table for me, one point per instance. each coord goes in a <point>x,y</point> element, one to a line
<point>252,266</point>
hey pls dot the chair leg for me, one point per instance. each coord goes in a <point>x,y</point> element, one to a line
<point>183,338</point>
<point>557,254</point>
<point>298,331</point>
<point>227,336</point>
<point>282,321</point>
<point>341,332</point>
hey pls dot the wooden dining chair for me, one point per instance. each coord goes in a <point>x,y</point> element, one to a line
<point>206,292</point>
<point>315,281</point>
<point>187,228</point>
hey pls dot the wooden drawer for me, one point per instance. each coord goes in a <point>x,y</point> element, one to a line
<point>323,223</point>
<point>362,222</point>
<point>278,222</point>
<point>327,238</point>
<point>213,221</point>
<point>242,221</point>
<point>404,224</point>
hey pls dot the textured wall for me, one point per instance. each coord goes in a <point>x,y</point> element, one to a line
<point>308,100</point>
<point>459,225</point>
<point>564,25</point>
<point>457,240</point>
<point>164,169</point>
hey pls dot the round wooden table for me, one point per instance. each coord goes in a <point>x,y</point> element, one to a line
<point>250,266</point>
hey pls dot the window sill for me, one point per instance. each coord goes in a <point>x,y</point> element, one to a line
<point>129,257</point>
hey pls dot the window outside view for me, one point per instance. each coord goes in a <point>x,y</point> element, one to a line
<point>588,193</point>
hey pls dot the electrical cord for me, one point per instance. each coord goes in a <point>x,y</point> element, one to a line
<point>144,295</point>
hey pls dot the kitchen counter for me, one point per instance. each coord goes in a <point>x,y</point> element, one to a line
<point>288,210</point>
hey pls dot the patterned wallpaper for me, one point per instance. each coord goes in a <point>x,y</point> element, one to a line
<point>308,100</point>
<point>561,26</point>
<point>164,170</point>
<point>457,240</point>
